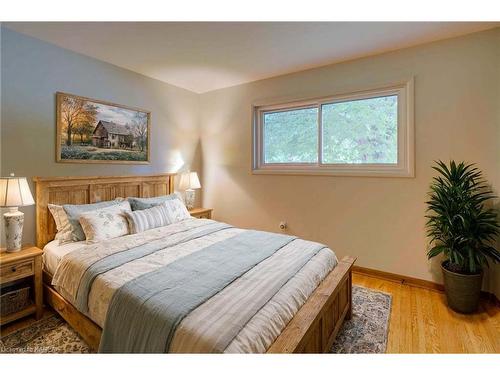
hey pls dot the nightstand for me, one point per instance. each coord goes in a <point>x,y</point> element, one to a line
<point>201,213</point>
<point>19,269</point>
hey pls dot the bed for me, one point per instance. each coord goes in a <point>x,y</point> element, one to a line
<point>302,315</point>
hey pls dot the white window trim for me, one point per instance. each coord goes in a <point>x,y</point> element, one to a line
<point>406,147</point>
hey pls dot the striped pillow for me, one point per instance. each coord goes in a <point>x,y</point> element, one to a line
<point>168,212</point>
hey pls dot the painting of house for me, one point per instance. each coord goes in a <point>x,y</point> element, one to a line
<point>93,131</point>
<point>108,134</point>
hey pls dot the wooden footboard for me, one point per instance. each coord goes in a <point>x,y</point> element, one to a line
<point>312,330</point>
<point>314,327</point>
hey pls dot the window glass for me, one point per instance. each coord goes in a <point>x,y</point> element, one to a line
<point>291,136</point>
<point>363,131</point>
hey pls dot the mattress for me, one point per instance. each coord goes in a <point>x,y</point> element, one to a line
<point>202,328</point>
<point>53,253</point>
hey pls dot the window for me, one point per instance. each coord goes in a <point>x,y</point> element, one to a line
<point>362,134</point>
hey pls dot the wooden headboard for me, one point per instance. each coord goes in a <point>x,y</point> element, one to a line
<point>84,190</point>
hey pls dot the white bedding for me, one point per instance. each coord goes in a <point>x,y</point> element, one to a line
<point>200,330</point>
<point>53,253</point>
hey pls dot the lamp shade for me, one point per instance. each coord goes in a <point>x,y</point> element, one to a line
<point>15,192</point>
<point>189,180</point>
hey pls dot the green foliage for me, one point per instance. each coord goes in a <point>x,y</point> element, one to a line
<point>291,136</point>
<point>361,131</point>
<point>459,225</point>
<point>355,131</point>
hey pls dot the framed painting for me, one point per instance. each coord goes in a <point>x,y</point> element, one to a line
<point>95,131</point>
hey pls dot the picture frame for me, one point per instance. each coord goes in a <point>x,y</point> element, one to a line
<point>96,131</point>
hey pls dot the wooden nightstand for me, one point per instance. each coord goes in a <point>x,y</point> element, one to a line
<point>201,213</point>
<point>17,267</point>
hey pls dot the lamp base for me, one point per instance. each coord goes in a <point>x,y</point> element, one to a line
<point>189,198</point>
<point>14,221</point>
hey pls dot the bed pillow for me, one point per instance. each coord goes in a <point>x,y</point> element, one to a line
<point>177,210</point>
<point>144,203</point>
<point>74,211</point>
<point>106,223</point>
<point>168,212</point>
<point>63,226</point>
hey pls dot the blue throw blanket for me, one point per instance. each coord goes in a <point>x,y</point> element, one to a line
<point>117,259</point>
<point>144,313</point>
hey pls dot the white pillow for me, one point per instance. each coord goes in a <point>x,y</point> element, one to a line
<point>64,229</point>
<point>177,211</point>
<point>105,223</point>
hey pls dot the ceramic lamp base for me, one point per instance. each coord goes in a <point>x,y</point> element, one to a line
<point>14,221</point>
<point>189,198</point>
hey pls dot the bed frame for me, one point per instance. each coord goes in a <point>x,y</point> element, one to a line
<point>312,329</point>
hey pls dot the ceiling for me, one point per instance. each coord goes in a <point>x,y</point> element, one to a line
<point>204,56</point>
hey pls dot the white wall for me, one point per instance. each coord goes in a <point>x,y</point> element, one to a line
<point>33,71</point>
<point>380,220</point>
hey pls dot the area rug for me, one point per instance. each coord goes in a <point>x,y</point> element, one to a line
<point>49,335</point>
<point>366,332</point>
<point>368,328</point>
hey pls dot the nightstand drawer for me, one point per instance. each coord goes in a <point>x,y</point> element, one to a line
<point>16,271</point>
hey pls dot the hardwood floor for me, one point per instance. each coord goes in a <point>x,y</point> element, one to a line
<point>421,322</point>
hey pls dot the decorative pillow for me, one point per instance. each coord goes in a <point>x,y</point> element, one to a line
<point>149,218</point>
<point>63,226</point>
<point>74,211</point>
<point>105,223</point>
<point>177,211</point>
<point>144,203</point>
<point>169,212</point>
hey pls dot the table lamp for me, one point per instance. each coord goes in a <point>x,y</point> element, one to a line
<point>14,192</point>
<point>189,181</point>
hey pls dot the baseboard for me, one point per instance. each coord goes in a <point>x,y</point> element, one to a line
<point>413,281</point>
<point>398,278</point>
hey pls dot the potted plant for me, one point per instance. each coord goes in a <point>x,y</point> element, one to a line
<point>463,229</point>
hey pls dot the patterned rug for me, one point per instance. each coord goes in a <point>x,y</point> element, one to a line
<point>48,335</point>
<point>366,332</point>
<point>368,329</point>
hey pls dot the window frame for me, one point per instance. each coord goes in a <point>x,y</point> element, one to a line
<point>406,153</point>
